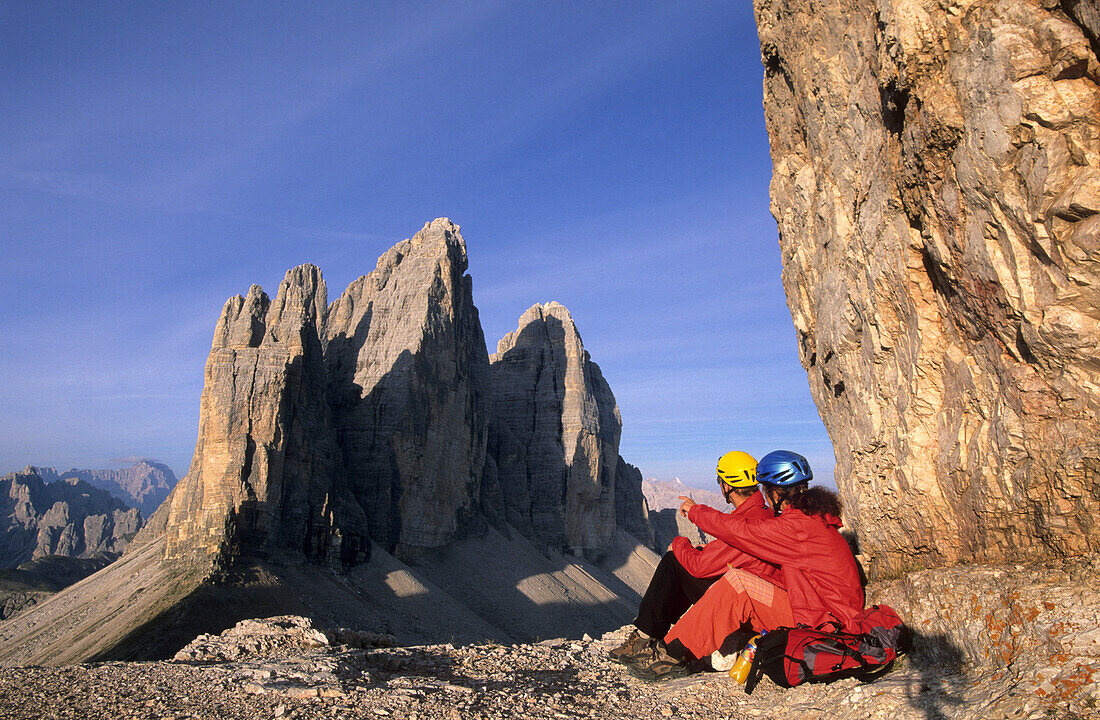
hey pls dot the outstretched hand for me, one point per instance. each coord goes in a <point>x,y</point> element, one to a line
<point>686,505</point>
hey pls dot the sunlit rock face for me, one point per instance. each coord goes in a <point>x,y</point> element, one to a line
<point>554,436</point>
<point>408,382</point>
<point>937,188</point>
<point>262,477</point>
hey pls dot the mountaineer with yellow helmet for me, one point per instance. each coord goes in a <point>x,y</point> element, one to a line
<point>736,469</point>
<point>686,572</point>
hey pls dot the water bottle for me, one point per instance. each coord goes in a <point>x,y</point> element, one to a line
<point>740,670</point>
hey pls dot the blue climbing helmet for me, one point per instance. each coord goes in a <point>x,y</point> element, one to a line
<point>783,468</point>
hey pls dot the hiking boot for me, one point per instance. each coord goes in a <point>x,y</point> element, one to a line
<point>656,664</point>
<point>634,646</point>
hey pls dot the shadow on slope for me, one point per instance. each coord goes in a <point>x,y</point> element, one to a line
<point>98,612</point>
<point>940,673</point>
<point>53,572</point>
<point>531,595</point>
<point>35,581</point>
<point>491,587</point>
<point>487,588</point>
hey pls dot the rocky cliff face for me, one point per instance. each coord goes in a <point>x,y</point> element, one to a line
<point>937,188</point>
<point>265,470</point>
<point>69,518</point>
<point>144,485</point>
<point>631,505</point>
<point>408,382</point>
<point>554,438</point>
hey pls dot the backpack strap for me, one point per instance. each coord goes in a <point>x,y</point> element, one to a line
<point>770,651</point>
<point>843,649</point>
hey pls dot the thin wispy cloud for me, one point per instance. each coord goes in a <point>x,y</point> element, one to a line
<point>214,128</point>
<point>161,158</point>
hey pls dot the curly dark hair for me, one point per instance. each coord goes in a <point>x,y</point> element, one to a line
<point>813,501</point>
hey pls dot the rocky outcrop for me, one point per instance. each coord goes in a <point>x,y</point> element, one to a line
<point>143,485</point>
<point>264,478</point>
<point>69,518</point>
<point>554,437</point>
<point>937,189</point>
<point>408,382</point>
<point>275,637</point>
<point>1038,623</point>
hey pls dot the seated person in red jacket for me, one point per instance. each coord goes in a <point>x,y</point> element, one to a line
<point>686,572</point>
<point>819,578</point>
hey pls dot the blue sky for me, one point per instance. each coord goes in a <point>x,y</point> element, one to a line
<point>161,157</point>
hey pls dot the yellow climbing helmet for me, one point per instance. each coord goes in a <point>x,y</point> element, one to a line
<point>737,469</point>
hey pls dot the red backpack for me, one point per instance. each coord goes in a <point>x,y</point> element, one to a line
<point>792,656</point>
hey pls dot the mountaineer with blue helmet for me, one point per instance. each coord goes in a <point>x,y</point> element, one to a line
<point>784,469</point>
<point>819,577</point>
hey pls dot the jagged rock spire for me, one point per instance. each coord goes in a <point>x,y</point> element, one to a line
<point>324,428</point>
<point>554,438</point>
<point>408,382</point>
<point>264,474</point>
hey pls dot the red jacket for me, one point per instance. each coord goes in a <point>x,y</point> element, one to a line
<point>816,563</point>
<point>713,558</point>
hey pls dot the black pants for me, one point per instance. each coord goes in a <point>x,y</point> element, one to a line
<point>670,593</point>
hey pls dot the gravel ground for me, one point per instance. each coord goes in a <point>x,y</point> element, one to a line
<point>555,679</point>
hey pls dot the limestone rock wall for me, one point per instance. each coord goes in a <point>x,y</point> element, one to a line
<point>408,381</point>
<point>937,187</point>
<point>68,518</point>
<point>265,468</point>
<point>554,437</point>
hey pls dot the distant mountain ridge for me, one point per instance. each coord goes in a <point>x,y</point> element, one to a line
<point>664,503</point>
<point>67,517</point>
<point>144,485</point>
<point>664,494</point>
